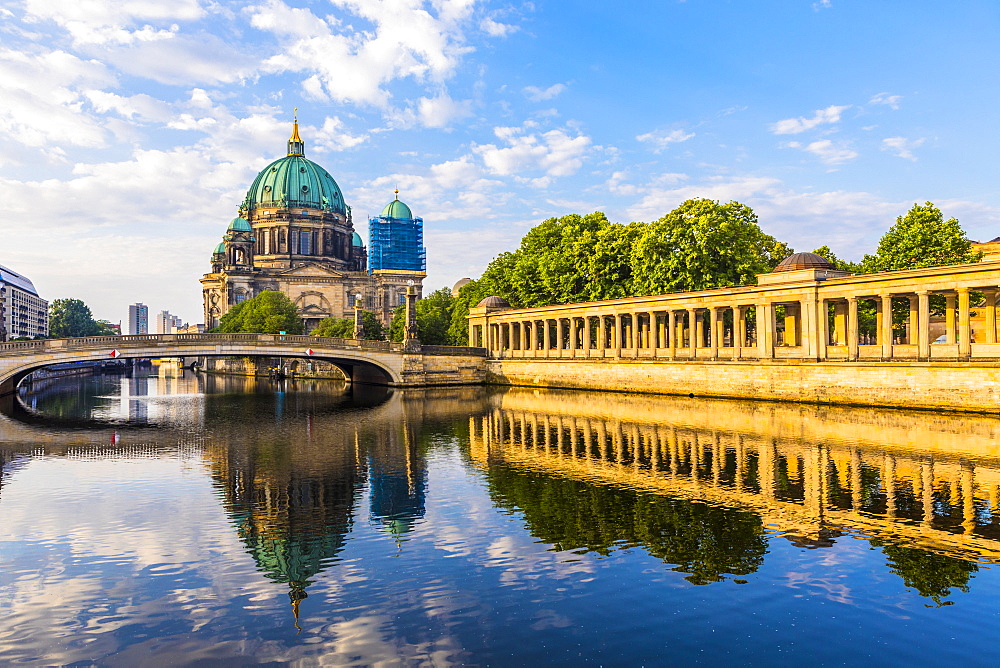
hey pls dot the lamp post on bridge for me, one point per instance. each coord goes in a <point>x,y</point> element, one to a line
<point>359,330</point>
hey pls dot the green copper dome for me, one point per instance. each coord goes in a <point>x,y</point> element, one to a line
<point>356,240</point>
<point>396,209</point>
<point>294,181</point>
<point>239,225</point>
<point>221,248</point>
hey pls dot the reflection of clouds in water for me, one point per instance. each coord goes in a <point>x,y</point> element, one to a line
<point>125,524</point>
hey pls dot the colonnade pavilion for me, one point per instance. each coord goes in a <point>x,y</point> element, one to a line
<point>805,309</point>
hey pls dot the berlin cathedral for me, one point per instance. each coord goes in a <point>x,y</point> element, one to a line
<point>294,233</point>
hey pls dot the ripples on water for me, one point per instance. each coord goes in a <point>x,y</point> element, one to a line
<point>205,519</point>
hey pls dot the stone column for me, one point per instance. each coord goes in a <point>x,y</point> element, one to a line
<point>740,334</point>
<point>693,330</point>
<point>588,333</point>
<point>824,329</point>
<point>852,328</point>
<point>840,323</point>
<point>765,330</point>
<point>791,325</point>
<point>546,337</point>
<point>636,334</point>
<point>617,334</point>
<point>672,328</point>
<point>911,322</point>
<point>990,316</point>
<point>923,324</point>
<point>602,334</point>
<point>950,331</point>
<point>713,326</point>
<point>885,326</point>
<point>964,324</point>
<point>652,332</point>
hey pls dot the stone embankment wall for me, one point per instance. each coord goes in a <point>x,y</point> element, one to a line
<point>924,385</point>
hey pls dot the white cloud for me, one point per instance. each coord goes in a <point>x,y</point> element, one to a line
<point>891,101</point>
<point>350,65</point>
<point>100,22</point>
<point>821,4</point>
<point>902,146</point>
<point>333,137</point>
<point>43,98</point>
<point>536,94</point>
<point>827,151</point>
<point>554,152</point>
<point>661,139</point>
<point>794,126</point>
<point>496,29</point>
<point>440,111</point>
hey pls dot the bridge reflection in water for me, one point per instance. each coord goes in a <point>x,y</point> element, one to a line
<point>920,480</point>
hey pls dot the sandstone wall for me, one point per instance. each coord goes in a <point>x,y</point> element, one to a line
<point>924,385</point>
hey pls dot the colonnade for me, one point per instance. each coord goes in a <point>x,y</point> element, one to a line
<point>764,473</point>
<point>941,313</point>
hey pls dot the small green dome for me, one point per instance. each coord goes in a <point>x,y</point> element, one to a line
<point>396,209</point>
<point>356,240</point>
<point>221,248</point>
<point>294,181</point>
<point>239,225</point>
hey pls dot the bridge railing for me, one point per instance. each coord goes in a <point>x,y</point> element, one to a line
<point>153,339</point>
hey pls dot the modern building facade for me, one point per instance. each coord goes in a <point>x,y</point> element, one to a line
<point>22,312</point>
<point>138,318</point>
<point>168,323</point>
<point>294,233</point>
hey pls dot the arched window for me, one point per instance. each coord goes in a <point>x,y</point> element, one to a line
<point>281,240</point>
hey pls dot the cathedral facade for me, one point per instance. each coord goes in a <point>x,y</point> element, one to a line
<point>294,233</point>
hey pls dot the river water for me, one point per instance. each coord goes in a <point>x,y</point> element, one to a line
<point>210,520</point>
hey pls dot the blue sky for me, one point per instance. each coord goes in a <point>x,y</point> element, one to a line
<point>130,130</point>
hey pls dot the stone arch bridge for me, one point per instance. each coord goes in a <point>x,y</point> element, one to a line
<point>369,362</point>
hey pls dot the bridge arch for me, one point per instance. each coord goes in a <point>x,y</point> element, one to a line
<point>364,362</point>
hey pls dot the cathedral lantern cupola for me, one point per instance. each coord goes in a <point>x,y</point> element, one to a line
<point>295,144</point>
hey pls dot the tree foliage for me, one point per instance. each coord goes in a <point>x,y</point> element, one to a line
<point>269,312</point>
<point>71,318</point>
<point>931,575</point>
<point>701,244</point>
<point>921,238</point>
<point>434,313</point>
<point>343,328</point>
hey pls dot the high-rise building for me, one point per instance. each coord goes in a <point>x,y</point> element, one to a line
<point>167,323</point>
<point>22,312</point>
<point>294,233</point>
<point>138,318</point>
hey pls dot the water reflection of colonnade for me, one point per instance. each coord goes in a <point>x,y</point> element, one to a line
<point>808,489</point>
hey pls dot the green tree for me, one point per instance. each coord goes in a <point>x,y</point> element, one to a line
<point>921,238</point>
<point>71,318</point>
<point>269,312</point>
<point>931,575</point>
<point>843,265</point>
<point>343,328</point>
<point>703,244</point>
<point>434,319</point>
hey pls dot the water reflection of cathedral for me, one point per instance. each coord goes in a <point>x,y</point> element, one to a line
<point>293,494</point>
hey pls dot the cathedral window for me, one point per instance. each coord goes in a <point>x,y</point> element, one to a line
<point>304,242</point>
